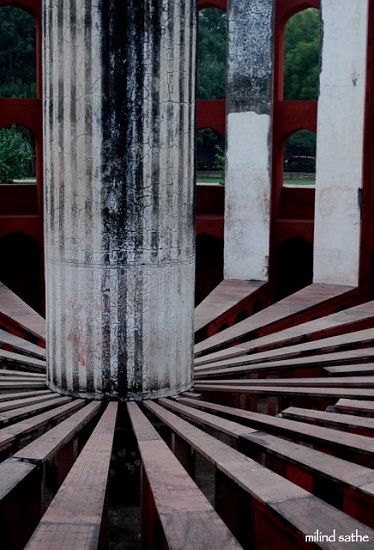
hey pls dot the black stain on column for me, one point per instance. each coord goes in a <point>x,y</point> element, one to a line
<point>61,186</point>
<point>154,22</point>
<point>122,158</point>
<point>115,122</point>
<point>89,343</point>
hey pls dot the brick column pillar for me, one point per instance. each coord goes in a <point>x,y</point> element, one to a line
<point>249,110</point>
<point>119,229</point>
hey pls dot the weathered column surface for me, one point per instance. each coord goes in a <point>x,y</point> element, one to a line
<point>249,106</point>
<point>119,230</point>
<point>340,135</point>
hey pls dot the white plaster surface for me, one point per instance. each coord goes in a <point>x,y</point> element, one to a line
<point>340,141</point>
<point>247,198</point>
<point>143,301</point>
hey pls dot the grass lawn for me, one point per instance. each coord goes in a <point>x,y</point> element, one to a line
<point>201,179</point>
<point>309,182</point>
<point>28,181</point>
<point>299,182</point>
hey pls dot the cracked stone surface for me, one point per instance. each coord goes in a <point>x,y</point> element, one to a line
<point>249,137</point>
<point>119,194</point>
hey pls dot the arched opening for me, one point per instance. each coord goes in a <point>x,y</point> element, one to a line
<point>17,53</point>
<point>293,266</point>
<point>209,265</point>
<point>17,155</point>
<point>302,44</point>
<point>299,160</point>
<point>20,268</point>
<point>211,54</point>
<point>210,156</point>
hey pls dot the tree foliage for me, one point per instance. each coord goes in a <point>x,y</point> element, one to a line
<point>211,54</point>
<point>302,44</point>
<point>301,74</point>
<point>301,59</point>
<point>17,53</point>
<point>211,82</point>
<point>209,144</point>
<point>16,154</point>
<point>300,152</point>
<point>17,79</point>
<point>301,77</point>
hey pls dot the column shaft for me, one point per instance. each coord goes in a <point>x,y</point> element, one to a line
<point>340,134</point>
<point>119,229</point>
<point>249,107</point>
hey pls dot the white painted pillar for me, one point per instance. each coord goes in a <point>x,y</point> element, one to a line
<point>119,188</point>
<point>340,134</point>
<point>249,108</point>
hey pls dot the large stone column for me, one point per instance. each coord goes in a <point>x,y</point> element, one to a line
<point>340,134</point>
<point>249,108</point>
<point>119,230</point>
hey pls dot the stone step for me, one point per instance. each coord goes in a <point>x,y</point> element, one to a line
<point>21,384</point>
<point>10,342</point>
<point>15,434</point>
<point>360,339</point>
<point>352,447</point>
<point>77,513</point>
<point>352,406</point>
<point>291,512</point>
<point>21,361</point>
<point>352,319</point>
<point>229,294</point>
<point>187,518</point>
<point>309,302</point>
<point>6,373</point>
<point>19,318</point>
<point>22,395</point>
<point>348,486</point>
<point>15,476</point>
<point>15,415</point>
<point>334,382</point>
<point>312,366</point>
<point>338,421</point>
<point>350,370</point>
<point>273,399</point>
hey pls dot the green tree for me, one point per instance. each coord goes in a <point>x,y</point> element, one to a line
<point>16,154</point>
<point>211,82</point>
<point>301,77</point>
<point>300,152</point>
<point>211,54</point>
<point>17,53</point>
<point>207,142</point>
<point>220,163</point>
<point>301,59</point>
<point>17,79</point>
